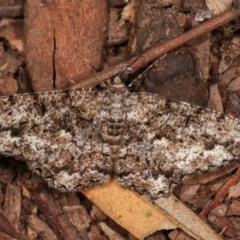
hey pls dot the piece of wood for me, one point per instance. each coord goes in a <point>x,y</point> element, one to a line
<point>134,63</point>
<point>187,220</point>
<point>64,40</point>
<point>141,217</point>
<point>128,209</point>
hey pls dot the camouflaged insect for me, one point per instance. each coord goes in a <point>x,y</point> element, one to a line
<point>79,138</point>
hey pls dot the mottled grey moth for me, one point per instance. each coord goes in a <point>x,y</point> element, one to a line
<point>79,138</point>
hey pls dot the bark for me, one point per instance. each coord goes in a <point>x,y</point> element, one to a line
<point>64,41</point>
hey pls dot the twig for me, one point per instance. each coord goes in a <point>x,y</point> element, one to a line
<point>221,194</point>
<point>152,54</point>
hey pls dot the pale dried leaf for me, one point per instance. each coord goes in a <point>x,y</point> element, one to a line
<point>218,6</point>
<point>140,217</point>
<point>187,220</point>
<point>128,209</point>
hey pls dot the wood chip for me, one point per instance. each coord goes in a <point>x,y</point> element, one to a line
<point>61,47</point>
<point>215,100</point>
<point>11,8</point>
<point>234,208</point>
<point>12,205</point>
<point>112,235</point>
<point>78,216</point>
<point>40,227</point>
<point>234,85</point>
<point>234,191</point>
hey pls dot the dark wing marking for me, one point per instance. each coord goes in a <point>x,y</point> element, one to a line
<point>55,134</point>
<point>167,140</point>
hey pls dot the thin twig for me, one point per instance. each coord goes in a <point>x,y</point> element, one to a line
<point>221,194</point>
<point>152,54</point>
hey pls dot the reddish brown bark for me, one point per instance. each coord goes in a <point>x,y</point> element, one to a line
<point>64,40</point>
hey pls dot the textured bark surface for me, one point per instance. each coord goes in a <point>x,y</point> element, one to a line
<point>62,43</point>
<point>13,8</point>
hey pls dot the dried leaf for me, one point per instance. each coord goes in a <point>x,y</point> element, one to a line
<point>141,217</point>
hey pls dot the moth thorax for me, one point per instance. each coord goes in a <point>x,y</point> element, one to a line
<point>118,85</point>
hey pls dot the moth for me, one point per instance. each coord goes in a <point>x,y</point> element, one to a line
<point>79,138</point>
